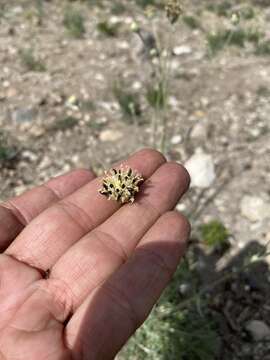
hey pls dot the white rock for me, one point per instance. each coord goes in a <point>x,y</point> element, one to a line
<point>201,169</point>
<point>254,208</point>
<point>176,139</point>
<point>259,330</point>
<point>110,135</point>
<point>182,50</point>
<point>181,207</point>
<point>198,131</point>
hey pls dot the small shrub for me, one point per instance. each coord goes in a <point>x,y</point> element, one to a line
<point>247,13</point>
<point>191,21</point>
<point>128,102</point>
<point>263,48</point>
<point>88,105</point>
<point>221,9</point>
<point>74,23</point>
<point>66,123</point>
<point>108,29</point>
<point>118,8</point>
<point>30,62</point>
<point>263,91</point>
<point>8,153</point>
<point>172,334</point>
<point>145,3</point>
<point>214,234</point>
<point>237,37</point>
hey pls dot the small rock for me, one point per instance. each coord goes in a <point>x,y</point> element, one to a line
<point>198,131</point>
<point>72,102</point>
<point>176,139</point>
<point>201,169</point>
<point>36,131</point>
<point>11,92</point>
<point>254,208</point>
<point>22,115</point>
<point>185,289</point>
<point>110,135</point>
<point>45,163</point>
<point>181,207</point>
<point>29,155</point>
<point>259,330</point>
<point>182,50</point>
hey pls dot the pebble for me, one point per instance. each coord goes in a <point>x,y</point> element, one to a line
<point>176,139</point>
<point>182,50</point>
<point>198,131</point>
<point>254,208</point>
<point>201,169</point>
<point>110,135</point>
<point>259,330</point>
<point>22,115</point>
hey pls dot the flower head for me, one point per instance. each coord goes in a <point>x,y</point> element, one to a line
<point>121,185</point>
<point>173,10</point>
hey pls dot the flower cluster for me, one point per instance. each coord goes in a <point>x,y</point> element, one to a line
<point>121,185</point>
<point>173,10</point>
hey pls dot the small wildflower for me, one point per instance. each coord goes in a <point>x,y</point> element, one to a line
<point>134,27</point>
<point>173,10</point>
<point>235,19</point>
<point>121,185</point>
<point>150,11</point>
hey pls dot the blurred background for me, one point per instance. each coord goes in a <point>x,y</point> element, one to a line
<point>86,83</point>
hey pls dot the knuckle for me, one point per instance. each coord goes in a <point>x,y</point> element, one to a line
<point>58,296</point>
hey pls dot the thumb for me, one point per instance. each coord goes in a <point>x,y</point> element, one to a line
<point>37,326</point>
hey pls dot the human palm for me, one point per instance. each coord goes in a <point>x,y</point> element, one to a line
<point>79,273</point>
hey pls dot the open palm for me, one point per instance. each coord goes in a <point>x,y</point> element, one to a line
<point>79,273</point>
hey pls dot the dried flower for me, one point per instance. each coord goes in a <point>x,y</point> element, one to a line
<point>121,185</point>
<point>173,10</point>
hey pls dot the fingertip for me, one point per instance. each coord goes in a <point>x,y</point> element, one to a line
<point>180,223</point>
<point>155,155</point>
<point>182,174</point>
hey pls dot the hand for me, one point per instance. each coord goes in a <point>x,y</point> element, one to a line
<point>79,273</point>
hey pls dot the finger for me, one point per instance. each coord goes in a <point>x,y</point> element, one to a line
<point>97,255</point>
<point>16,213</point>
<point>111,314</point>
<point>56,229</point>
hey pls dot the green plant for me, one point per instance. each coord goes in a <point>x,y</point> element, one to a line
<point>221,9</point>
<point>74,22</point>
<point>169,334</point>
<point>40,11</point>
<point>247,13</point>
<point>128,102</point>
<point>7,151</point>
<point>237,37</point>
<point>118,8</point>
<point>108,28</point>
<point>145,3</point>
<point>156,96</point>
<point>30,62</point>
<point>88,105</point>
<point>263,91</point>
<point>191,21</point>
<point>214,234</point>
<point>263,48</point>
<point>65,123</point>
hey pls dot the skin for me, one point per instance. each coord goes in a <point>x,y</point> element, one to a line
<point>78,273</point>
